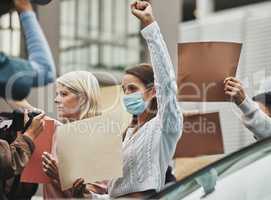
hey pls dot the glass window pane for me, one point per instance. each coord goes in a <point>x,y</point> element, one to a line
<point>10,35</point>
<point>107,34</point>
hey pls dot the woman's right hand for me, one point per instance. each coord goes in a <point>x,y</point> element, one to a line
<point>234,89</point>
<point>36,127</point>
<point>49,166</point>
<point>22,5</point>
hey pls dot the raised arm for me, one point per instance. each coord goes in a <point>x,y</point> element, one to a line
<point>39,53</point>
<point>253,118</point>
<point>164,75</point>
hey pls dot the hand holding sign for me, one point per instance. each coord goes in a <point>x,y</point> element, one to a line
<point>235,90</point>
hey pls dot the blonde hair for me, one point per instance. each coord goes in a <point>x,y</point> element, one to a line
<point>86,84</point>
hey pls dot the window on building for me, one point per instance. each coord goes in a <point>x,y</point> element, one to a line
<point>10,35</point>
<point>189,7</point>
<point>227,4</point>
<point>98,34</point>
<point>188,10</point>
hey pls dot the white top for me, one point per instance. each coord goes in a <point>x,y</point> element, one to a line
<point>255,119</point>
<point>148,153</point>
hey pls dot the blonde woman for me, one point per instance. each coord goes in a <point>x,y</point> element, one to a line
<point>77,98</point>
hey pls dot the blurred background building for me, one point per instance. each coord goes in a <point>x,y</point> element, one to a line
<point>247,22</point>
<point>102,36</point>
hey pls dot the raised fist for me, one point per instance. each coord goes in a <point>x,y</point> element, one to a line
<point>143,11</point>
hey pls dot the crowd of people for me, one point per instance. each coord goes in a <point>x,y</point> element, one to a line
<point>149,141</point>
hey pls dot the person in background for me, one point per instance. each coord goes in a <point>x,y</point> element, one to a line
<point>256,111</point>
<point>18,76</point>
<point>15,156</point>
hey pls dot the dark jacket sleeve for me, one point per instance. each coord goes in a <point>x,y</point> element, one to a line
<point>14,157</point>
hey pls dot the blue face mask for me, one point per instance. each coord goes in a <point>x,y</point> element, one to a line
<point>134,103</point>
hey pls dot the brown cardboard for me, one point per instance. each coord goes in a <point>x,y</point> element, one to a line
<point>202,135</point>
<point>202,68</point>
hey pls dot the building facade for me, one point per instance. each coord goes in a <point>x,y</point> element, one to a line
<point>246,24</point>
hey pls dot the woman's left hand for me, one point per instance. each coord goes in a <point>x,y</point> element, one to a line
<point>78,188</point>
<point>49,166</point>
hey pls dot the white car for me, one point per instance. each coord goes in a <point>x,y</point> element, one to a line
<point>242,175</point>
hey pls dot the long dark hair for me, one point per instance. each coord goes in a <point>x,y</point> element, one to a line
<point>144,73</point>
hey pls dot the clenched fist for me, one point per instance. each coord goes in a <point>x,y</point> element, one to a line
<point>143,11</point>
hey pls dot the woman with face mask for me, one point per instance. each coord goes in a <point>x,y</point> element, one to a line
<point>135,77</point>
<point>150,141</point>
<point>150,96</point>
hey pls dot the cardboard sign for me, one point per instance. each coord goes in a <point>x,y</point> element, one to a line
<point>202,135</point>
<point>203,67</point>
<point>90,149</point>
<point>33,172</point>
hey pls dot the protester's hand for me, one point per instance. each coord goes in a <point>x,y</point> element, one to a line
<point>49,166</point>
<point>143,11</point>
<point>36,127</point>
<point>235,90</point>
<point>22,5</point>
<point>78,188</point>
